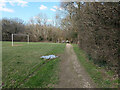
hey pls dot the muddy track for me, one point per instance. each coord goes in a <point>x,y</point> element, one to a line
<point>72,74</point>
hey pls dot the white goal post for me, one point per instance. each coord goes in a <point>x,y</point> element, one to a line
<point>20,35</point>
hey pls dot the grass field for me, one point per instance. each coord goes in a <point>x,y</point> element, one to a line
<point>103,79</point>
<point>22,66</point>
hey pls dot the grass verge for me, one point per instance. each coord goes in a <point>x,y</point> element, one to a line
<point>102,78</point>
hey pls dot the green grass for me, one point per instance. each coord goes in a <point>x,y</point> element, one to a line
<point>19,62</point>
<point>45,78</point>
<point>95,71</point>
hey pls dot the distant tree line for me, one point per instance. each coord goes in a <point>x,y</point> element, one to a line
<point>95,26</point>
<point>36,28</point>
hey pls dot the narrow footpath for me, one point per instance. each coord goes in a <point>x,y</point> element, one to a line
<point>72,74</point>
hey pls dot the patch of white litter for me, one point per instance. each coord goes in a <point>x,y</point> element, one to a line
<point>49,57</point>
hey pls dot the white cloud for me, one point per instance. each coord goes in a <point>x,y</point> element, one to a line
<point>21,3</point>
<point>57,8</point>
<point>12,3</point>
<point>43,7</point>
<point>6,9</point>
<point>18,2</point>
<point>3,7</point>
<point>2,4</point>
<point>52,9</point>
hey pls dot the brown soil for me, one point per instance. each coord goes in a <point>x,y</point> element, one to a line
<point>72,74</point>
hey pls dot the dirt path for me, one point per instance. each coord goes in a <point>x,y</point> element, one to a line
<point>72,74</point>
